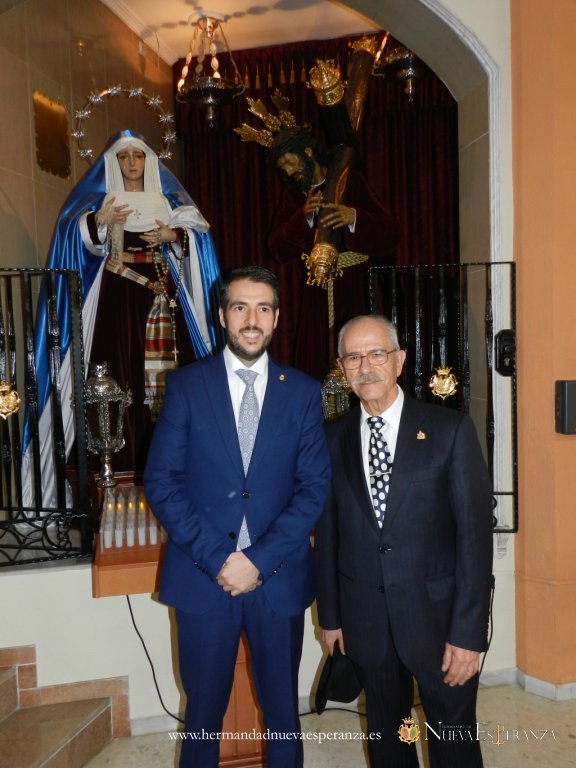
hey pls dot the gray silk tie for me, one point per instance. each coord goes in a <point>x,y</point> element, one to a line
<point>380,466</point>
<point>247,428</point>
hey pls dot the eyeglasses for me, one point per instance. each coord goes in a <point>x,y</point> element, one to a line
<point>353,361</point>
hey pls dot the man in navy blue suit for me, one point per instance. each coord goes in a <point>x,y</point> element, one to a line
<point>404,555</point>
<point>238,556</point>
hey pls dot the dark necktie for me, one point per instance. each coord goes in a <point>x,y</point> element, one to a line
<point>380,467</point>
<point>247,427</point>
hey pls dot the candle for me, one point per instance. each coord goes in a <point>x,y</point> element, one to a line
<point>141,523</point>
<point>130,523</point>
<point>119,520</point>
<point>152,527</point>
<point>106,525</point>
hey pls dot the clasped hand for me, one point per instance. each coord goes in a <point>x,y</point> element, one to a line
<point>238,575</point>
<point>332,215</point>
<point>158,236</point>
<point>118,214</point>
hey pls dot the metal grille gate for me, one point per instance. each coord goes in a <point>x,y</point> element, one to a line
<point>40,315</point>
<point>446,315</point>
<point>461,316</point>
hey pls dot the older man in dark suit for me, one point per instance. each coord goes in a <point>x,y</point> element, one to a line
<point>404,555</point>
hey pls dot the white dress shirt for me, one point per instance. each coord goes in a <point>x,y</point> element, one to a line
<point>237,386</point>
<point>389,431</point>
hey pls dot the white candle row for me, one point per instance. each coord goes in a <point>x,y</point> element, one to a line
<point>127,520</point>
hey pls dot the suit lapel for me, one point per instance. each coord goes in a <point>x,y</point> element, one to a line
<point>277,386</point>
<point>411,422</point>
<point>216,382</point>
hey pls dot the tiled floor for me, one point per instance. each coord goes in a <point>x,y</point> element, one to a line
<point>520,731</point>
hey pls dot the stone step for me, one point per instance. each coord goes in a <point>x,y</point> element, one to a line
<point>8,691</point>
<point>65,735</point>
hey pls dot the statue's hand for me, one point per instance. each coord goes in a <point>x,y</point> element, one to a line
<point>112,214</point>
<point>335,216</point>
<point>163,234</point>
<point>313,204</point>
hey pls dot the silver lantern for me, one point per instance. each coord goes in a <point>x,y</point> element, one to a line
<point>106,404</point>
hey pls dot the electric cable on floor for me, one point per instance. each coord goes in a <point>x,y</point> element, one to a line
<point>179,719</point>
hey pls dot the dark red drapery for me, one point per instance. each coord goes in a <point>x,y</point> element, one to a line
<point>408,151</point>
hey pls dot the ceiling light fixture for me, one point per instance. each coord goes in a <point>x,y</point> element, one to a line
<point>201,83</point>
<point>405,66</point>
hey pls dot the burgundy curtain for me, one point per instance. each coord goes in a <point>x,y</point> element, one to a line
<point>408,152</point>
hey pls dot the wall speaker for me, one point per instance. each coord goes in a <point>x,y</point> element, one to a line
<point>566,407</point>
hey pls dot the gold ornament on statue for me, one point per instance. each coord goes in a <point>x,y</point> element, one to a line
<point>370,45</point>
<point>265,136</point>
<point>322,265</point>
<point>326,82</point>
<point>443,383</point>
<point>9,400</point>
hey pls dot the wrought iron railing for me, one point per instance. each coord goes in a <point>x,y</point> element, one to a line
<point>454,316</point>
<point>44,490</point>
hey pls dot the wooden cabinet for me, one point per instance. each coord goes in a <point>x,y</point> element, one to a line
<point>126,571</point>
<point>242,716</point>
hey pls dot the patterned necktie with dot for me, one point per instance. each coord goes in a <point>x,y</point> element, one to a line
<point>248,417</point>
<point>380,467</point>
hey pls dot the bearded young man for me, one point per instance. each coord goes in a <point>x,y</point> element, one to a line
<point>237,474</point>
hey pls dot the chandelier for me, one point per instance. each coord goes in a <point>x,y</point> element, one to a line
<point>202,83</point>
<point>405,66</point>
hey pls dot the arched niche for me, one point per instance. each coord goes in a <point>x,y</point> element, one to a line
<point>460,60</point>
<point>467,70</point>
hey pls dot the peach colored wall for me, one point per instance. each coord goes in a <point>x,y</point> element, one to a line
<point>544,172</point>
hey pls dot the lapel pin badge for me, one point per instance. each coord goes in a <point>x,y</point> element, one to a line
<point>420,435</point>
<point>281,377</point>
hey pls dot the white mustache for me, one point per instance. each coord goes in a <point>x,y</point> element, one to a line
<point>367,378</point>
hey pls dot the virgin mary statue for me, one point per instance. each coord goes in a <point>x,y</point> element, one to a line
<point>149,278</point>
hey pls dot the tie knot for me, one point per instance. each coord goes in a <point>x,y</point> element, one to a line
<point>375,423</point>
<point>247,376</point>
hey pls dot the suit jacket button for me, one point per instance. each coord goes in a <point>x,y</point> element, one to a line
<point>232,535</point>
<point>384,548</point>
<point>245,495</point>
<point>381,588</point>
